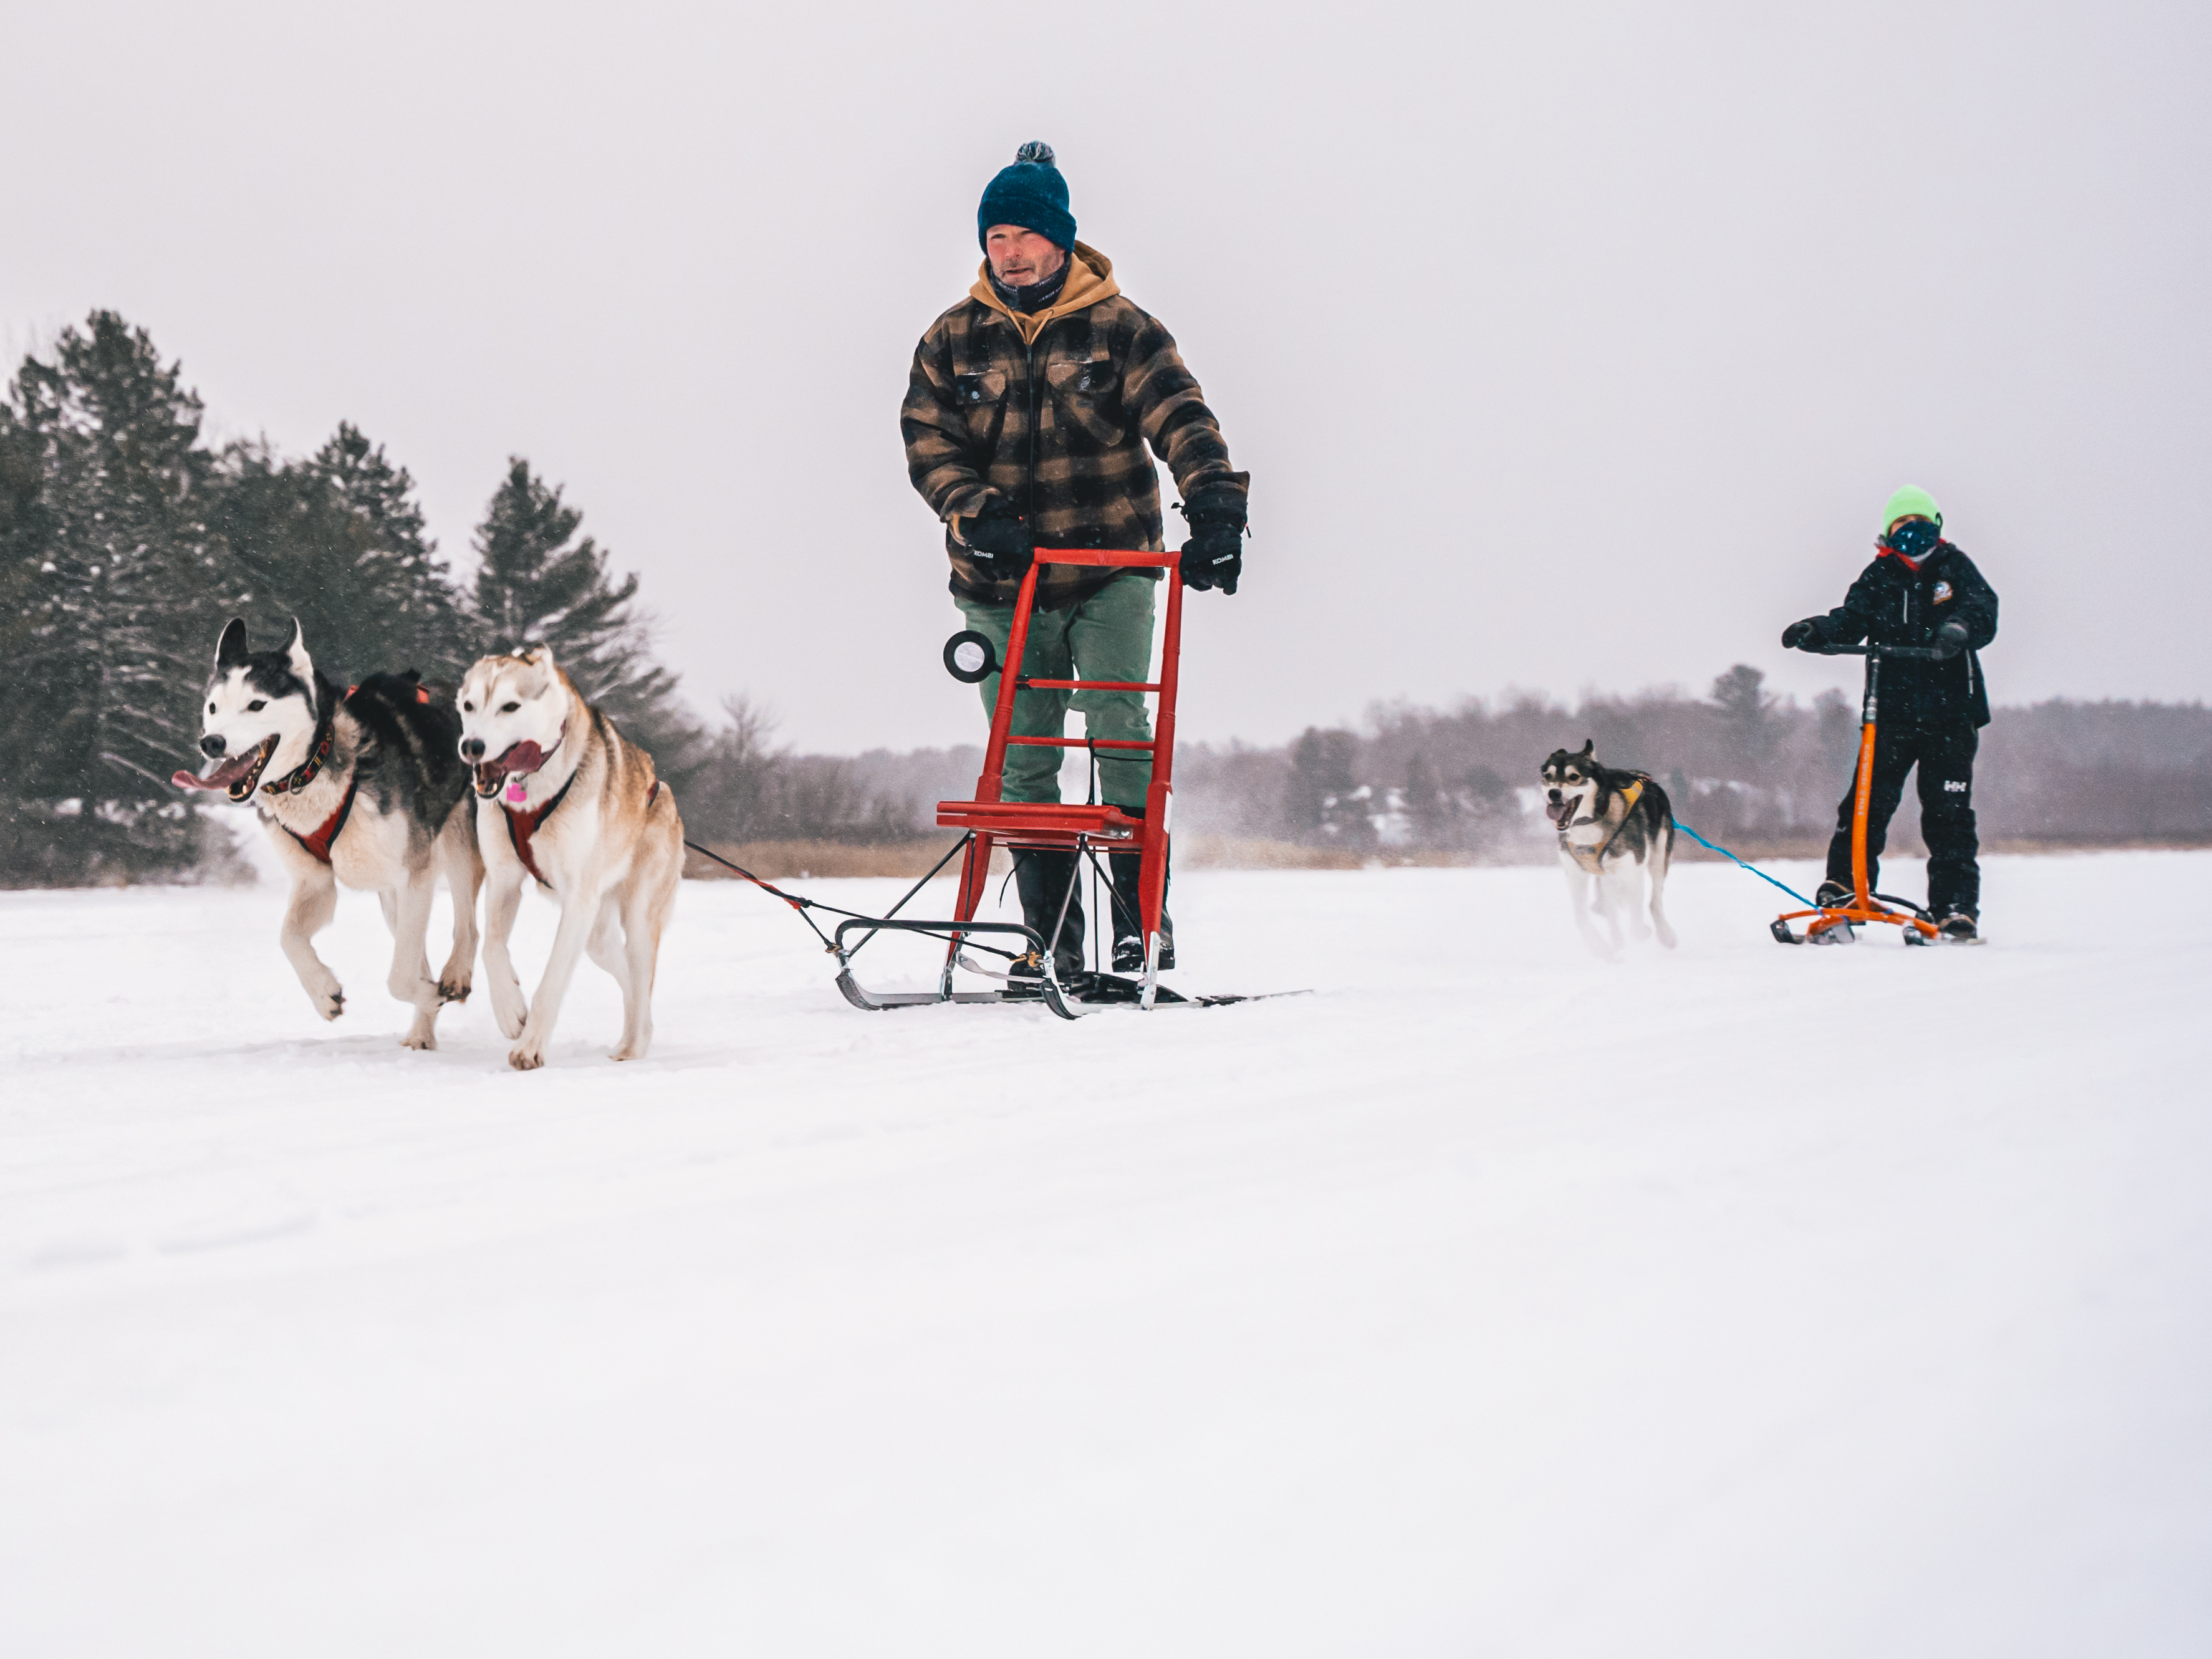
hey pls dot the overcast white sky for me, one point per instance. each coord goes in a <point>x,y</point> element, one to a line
<point>1568,346</point>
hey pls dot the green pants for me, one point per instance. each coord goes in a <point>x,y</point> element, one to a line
<point>1108,636</point>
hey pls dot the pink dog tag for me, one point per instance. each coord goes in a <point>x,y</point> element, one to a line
<point>516,794</point>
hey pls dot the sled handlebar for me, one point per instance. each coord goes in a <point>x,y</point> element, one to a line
<point>1119,555</point>
<point>1927,651</point>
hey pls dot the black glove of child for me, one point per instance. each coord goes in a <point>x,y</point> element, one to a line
<point>1950,641</point>
<point>1214,554</point>
<point>999,541</point>
<point>1800,634</point>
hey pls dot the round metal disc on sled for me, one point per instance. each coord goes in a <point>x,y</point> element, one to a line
<point>971,657</point>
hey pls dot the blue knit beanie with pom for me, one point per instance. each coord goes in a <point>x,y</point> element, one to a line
<point>1030,194</point>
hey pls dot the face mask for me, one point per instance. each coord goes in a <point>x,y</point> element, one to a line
<point>1914,537</point>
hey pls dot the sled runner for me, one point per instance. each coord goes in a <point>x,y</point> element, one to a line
<point>1833,924</point>
<point>989,820</point>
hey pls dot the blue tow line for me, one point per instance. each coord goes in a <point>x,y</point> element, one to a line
<point>1753,868</point>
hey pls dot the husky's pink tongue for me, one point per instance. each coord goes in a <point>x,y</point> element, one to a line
<point>224,775</point>
<point>524,757</point>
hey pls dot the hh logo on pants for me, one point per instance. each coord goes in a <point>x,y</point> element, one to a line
<point>1955,785</point>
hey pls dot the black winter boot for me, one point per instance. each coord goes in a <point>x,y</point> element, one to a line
<point>1043,877</point>
<point>1128,931</point>
<point>1834,896</point>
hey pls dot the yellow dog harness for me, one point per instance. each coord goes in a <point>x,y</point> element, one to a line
<point>1592,858</point>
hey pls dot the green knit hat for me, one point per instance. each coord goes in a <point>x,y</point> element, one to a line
<point>1911,501</point>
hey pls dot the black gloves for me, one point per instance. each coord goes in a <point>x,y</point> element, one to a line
<point>999,541</point>
<point>1214,554</point>
<point>1950,640</point>
<point>1799,634</point>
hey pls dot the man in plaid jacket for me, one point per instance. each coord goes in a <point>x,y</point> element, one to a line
<point>1027,418</point>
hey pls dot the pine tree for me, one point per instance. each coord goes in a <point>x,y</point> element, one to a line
<point>283,531</point>
<point>1746,711</point>
<point>1490,806</point>
<point>339,542</point>
<point>538,584</point>
<point>1318,799</point>
<point>26,540</point>
<point>127,592</point>
<point>395,559</point>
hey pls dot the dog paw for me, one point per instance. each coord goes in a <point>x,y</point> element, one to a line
<point>423,1043</point>
<point>511,1025</point>
<point>329,1004</point>
<point>626,1053</point>
<point>525,1058</point>
<point>454,988</point>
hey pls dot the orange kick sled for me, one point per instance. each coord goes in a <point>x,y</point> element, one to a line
<point>1832,924</point>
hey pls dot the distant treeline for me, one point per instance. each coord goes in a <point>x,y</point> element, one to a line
<point>125,543</point>
<point>1740,764</point>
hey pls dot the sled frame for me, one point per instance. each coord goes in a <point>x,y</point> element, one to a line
<point>989,820</point>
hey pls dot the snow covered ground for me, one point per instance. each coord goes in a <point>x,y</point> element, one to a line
<point>1493,1300</point>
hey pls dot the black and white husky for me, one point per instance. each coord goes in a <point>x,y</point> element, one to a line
<point>365,789</point>
<point>1614,828</point>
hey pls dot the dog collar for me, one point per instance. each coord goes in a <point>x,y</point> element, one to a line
<point>312,768</point>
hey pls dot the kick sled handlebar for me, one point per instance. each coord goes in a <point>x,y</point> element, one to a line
<point>1927,652</point>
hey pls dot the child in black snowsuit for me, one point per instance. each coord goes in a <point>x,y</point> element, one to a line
<point>1920,590</point>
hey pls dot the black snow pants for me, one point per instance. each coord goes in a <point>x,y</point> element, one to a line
<point>1945,755</point>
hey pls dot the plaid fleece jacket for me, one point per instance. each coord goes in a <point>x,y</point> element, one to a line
<point>1052,411</point>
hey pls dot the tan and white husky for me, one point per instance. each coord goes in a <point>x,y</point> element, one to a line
<point>564,801</point>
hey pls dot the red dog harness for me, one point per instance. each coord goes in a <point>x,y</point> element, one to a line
<point>309,769</point>
<point>320,842</point>
<point>521,826</point>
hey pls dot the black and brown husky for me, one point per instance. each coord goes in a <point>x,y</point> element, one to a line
<point>1615,828</point>
<point>364,789</point>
